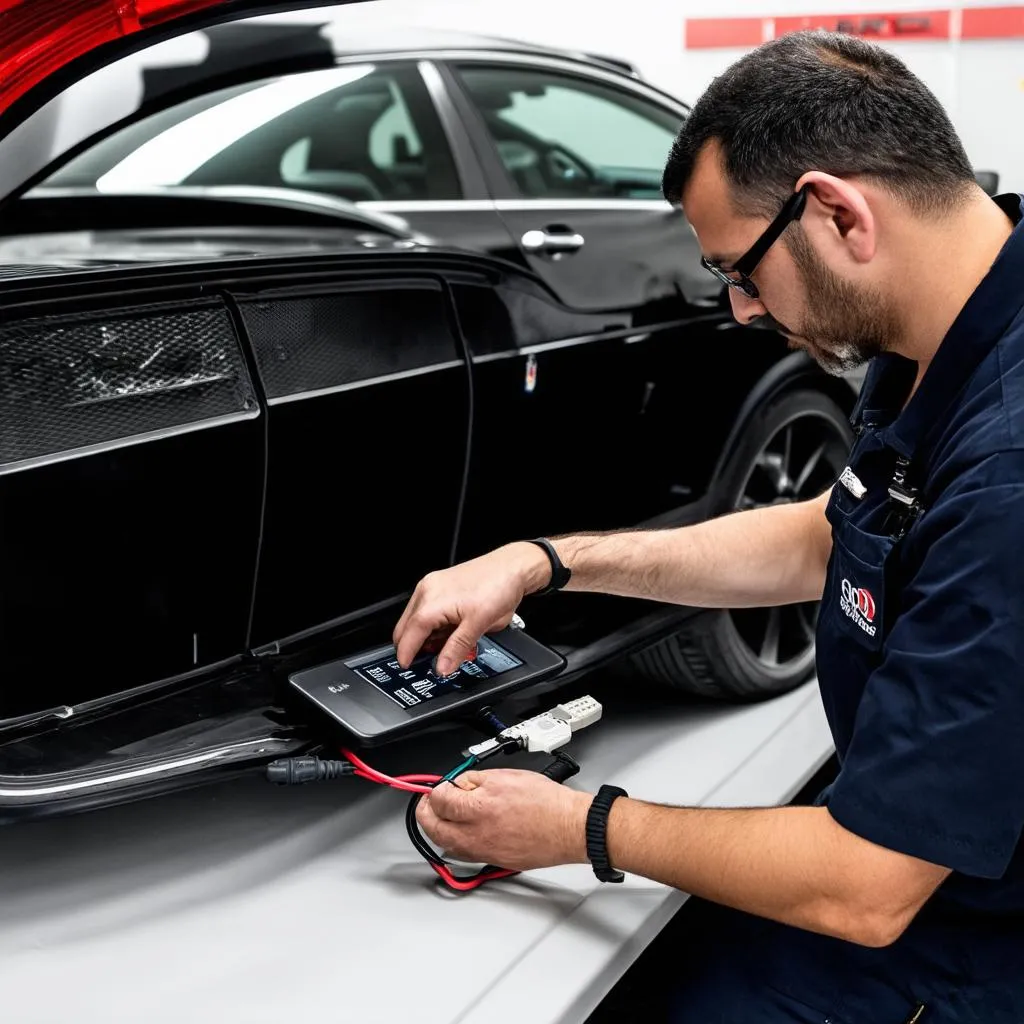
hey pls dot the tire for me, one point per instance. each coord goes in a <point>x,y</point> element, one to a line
<point>795,446</point>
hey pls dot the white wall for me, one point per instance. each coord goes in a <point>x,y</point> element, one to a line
<point>981,83</point>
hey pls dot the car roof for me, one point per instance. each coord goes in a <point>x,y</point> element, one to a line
<point>412,39</point>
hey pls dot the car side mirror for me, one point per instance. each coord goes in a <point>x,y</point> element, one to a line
<point>988,180</point>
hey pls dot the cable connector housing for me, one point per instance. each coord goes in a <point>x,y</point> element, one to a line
<point>295,771</point>
<point>545,732</point>
<point>578,713</point>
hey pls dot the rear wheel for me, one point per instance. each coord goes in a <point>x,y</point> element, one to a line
<point>795,447</point>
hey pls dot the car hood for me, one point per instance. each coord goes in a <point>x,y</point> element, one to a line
<point>51,49</point>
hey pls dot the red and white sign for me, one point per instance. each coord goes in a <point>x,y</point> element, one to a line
<point>973,23</point>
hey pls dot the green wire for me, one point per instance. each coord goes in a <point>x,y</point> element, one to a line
<point>467,764</point>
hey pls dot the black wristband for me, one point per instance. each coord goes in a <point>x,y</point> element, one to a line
<point>597,833</point>
<point>560,575</point>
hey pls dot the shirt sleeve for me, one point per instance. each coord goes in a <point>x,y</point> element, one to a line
<point>935,766</point>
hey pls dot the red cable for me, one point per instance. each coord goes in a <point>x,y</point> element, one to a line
<point>399,782</point>
<point>468,884</point>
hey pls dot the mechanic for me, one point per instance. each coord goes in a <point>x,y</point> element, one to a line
<point>831,193</point>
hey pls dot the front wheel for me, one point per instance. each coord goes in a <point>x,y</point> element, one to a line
<point>794,448</point>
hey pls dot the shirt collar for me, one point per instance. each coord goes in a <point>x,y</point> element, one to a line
<point>984,319</point>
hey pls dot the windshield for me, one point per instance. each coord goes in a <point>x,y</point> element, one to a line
<point>362,132</point>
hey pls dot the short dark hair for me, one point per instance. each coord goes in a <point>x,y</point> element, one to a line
<point>828,102</point>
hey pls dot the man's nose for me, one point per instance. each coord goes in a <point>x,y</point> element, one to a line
<point>745,309</point>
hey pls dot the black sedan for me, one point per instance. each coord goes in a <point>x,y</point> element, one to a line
<point>308,321</point>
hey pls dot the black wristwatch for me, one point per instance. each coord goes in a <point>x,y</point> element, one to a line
<point>560,575</point>
<point>597,833</point>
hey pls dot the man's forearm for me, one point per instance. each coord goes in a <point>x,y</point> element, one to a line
<point>765,556</point>
<point>796,865</point>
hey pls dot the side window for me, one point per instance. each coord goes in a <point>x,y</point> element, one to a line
<point>380,139</point>
<point>361,132</point>
<point>563,136</point>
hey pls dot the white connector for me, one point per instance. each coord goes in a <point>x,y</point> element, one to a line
<point>545,732</point>
<point>540,735</point>
<point>552,729</point>
<point>578,713</point>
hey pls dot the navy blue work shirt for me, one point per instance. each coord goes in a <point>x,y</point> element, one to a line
<point>920,646</point>
<point>921,640</point>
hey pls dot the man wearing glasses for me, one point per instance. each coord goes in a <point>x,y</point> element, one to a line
<point>831,195</point>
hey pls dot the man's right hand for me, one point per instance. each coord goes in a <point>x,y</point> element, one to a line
<point>453,608</point>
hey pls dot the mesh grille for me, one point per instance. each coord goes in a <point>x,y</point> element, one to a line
<point>324,341</point>
<point>71,381</point>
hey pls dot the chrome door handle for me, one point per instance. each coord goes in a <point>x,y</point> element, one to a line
<point>555,243</point>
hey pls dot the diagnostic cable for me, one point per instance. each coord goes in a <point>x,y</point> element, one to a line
<point>543,733</point>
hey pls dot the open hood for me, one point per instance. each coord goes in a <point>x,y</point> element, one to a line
<point>55,52</point>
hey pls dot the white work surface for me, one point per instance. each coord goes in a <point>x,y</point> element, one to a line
<point>246,902</point>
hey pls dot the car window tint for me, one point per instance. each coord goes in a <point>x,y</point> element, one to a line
<point>563,136</point>
<point>360,132</point>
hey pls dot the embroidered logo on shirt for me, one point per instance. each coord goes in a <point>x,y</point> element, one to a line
<point>852,483</point>
<point>858,604</point>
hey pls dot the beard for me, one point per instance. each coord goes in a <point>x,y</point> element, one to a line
<point>843,326</point>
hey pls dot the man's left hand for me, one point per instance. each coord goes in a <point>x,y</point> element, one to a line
<point>513,819</point>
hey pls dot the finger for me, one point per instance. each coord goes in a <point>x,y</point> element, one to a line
<point>419,626</point>
<point>455,802</point>
<point>436,640</point>
<point>411,606</point>
<point>426,817</point>
<point>460,647</point>
<point>442,834</point>
<point>468,780</point>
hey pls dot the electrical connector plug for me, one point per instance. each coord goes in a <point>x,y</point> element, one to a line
<point>295,771</point>
<point>578,713</point>
<point>550,730</point>
<point>541,734</point>
<point>482,749</point>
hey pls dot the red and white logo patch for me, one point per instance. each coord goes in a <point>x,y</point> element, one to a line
<point>858,604</point>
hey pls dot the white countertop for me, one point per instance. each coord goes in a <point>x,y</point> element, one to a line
<point>246,902</point>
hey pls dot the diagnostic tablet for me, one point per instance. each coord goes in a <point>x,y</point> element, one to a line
<point>372,697</point>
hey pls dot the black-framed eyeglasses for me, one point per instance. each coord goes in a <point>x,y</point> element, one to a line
<point>738,275</point>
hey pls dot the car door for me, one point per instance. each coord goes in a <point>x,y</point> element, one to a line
<point>367,393</point>
<point>613,253</point>
<point>576,167</point>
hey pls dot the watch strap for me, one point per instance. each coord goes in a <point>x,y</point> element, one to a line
<point>560,574</point>
<point>597,833</point>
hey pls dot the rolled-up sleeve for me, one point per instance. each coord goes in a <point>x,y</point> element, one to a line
<point>935,766</point>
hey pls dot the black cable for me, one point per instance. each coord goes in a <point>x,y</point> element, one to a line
<point>415,835</point>
<point>488,718</point>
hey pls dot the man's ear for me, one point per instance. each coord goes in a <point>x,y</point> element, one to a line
<point>838,211</point>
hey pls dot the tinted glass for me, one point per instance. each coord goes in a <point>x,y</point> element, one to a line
<point>561,136</point>
<point>361,132</point>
